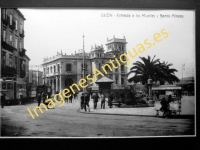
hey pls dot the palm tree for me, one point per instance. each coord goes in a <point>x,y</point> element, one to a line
<point>154,69</point>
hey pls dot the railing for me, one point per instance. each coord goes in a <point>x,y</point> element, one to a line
<point>22,52</point>
<point>12,27</point>
<point>9,46</point>
<point>5,20</point>
<point>8,70</point>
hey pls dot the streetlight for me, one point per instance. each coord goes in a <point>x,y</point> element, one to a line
<point>149,84</point>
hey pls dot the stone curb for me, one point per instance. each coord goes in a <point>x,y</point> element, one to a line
<point>117,114</point>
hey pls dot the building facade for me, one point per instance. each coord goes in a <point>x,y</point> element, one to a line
<point>35,77</point>
<point>63,70</point>
<point>14,61</point>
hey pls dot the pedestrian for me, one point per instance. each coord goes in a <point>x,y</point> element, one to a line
<point>95,98</point>
<point>164,106</point>
<point>66,99</point>
<point>20,97</point>
<point>70,98</point>
<point>86,101</point>
<point>39,98</point>
<point>43,97</point>
<point>82,101</point>
<point>3,99</point>
<point>102,98</point>
<point>110,99</point>
<point>75,95</point>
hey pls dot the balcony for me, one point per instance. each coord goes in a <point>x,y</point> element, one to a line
<point>12,27</point>
<point>22,52</point>
<point>5,20</point>
<point>8,46</point>
<point>8,71</point>
<point>21,34</point>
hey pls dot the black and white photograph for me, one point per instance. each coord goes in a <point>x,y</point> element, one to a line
<point>97,73</point>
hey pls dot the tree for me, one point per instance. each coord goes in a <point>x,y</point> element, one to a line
<point>154,69</point>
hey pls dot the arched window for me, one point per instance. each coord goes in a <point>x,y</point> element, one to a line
<point>51,69</point>
<point>68,67</point>
<point>54,68</point>
<point>116,80</point>
<point>58,68</point>
<point>122,80</point>
<point>47,70</point>
<point>116,70</point>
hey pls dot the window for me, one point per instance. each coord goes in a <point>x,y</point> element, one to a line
<point>122,67</point>
<point>10,19</point>
<point>3,58</point>
<point>4,14</point>
<point>58,68</point>
<point>10,38</point>
<point>116,68</point>
<point>116,80</point>
<point>10,60</point>
<point>122,80</point>
<point>9,86</point>
<point>21,28</point>
<point>16,25</point>
<point>51,70</point>
<point>68,67</point>
<point>99,66</point>
<point>54,68</point>
<point>15,42</point>
<point>4,35</point>
<point>20,46</point>
<point>47,70</point>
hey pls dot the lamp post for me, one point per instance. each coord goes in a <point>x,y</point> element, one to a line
<point>149,84</point>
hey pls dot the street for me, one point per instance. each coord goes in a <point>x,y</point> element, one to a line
<point>67,121</point>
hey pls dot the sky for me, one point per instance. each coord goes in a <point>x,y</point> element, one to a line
<point>50,30</point>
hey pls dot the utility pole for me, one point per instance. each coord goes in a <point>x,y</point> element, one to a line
<point>83,66</point>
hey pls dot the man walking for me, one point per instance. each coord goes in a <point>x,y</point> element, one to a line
<point>3,99</point>
<point>39,98</point>
<point>43,97</point>
<point>95,98</point>
<point>87,100</point>
<point>102,98</point>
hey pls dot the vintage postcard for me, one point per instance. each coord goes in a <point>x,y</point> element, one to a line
<point>97,73</point>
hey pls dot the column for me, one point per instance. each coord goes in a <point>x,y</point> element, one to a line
<point>52,85</point>
<point>60,83</point>
<point>120,74</point>
<point>57,83</point>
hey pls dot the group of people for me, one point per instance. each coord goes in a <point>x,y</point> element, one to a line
<point>85,98</point>
<point>41,96</point>
<point>71,97</point>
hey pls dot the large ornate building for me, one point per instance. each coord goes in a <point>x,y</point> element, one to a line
<point>63,70</point>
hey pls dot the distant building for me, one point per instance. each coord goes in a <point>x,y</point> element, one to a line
<point>63,70</point>
<point>35,78</point>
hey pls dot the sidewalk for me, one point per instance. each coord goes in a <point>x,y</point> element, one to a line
<point>187,110</point>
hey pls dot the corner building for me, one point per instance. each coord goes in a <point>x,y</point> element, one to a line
<point>62,70</point>
<point>14,61</point>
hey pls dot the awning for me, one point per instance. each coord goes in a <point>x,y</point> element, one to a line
<point>105,80</point>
